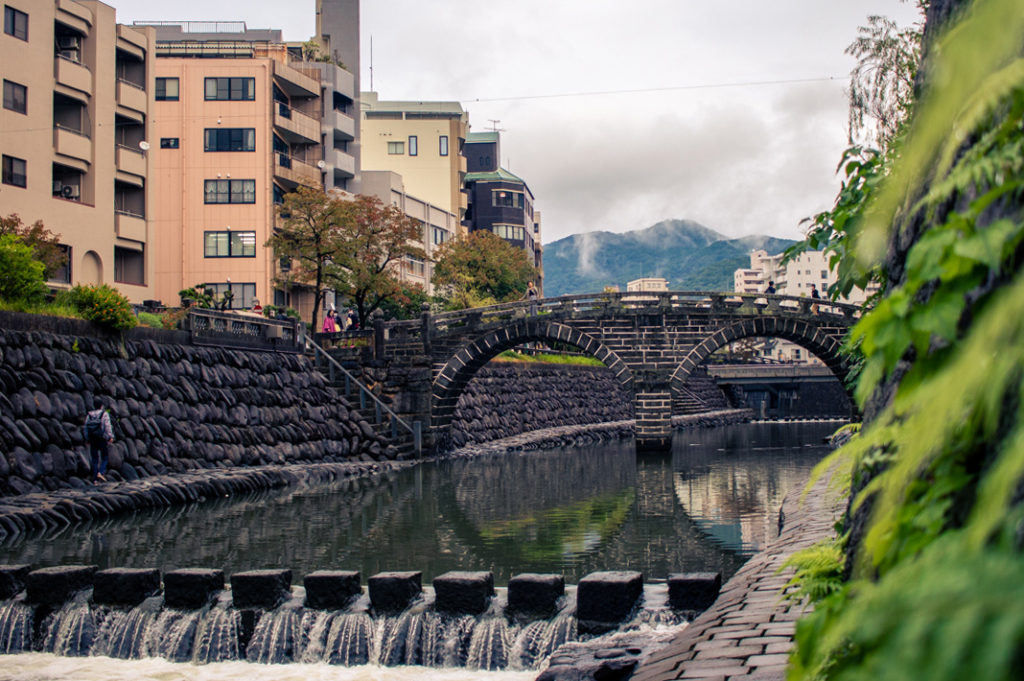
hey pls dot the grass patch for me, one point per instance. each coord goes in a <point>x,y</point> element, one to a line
<point>549,358</point>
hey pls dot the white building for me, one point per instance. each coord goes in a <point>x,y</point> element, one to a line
<point>648,284</point>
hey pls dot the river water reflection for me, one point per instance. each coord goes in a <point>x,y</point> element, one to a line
<point>707,507</point>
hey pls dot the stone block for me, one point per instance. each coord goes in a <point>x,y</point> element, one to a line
<point>331,589</point>
<point>605,599</point>
<point>12,580</point>
<point>57,585</point>
<point>535,594</point>
<point>464,593</point>
<point>125,586</point>
<point>393,591</point>
<point>264,589</point>
<point>693,590</point>
<point>192,588</point>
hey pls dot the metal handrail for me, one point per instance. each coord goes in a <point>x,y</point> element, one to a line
<point>415,430</point>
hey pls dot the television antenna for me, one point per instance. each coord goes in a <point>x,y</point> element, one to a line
<point>494,124</point>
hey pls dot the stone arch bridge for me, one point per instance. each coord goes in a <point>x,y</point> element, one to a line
<point>651,341</point>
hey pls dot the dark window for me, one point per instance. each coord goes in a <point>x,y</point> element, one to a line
<point>229,244</point>
<point>15,97</point>
<point>443,145</point>
<point>62,274</point>
<point>168,142</point>
<point>414,147</point>
<point>229,191</point>
<point>14,171</point>
<point>166,89</point>
<point>507,198</point>
<point>230,139</point>
<point>230,89</point>
<point>129,266</point>
<point>440,236</point>
<point>15,23</point>
<point>242,295</point>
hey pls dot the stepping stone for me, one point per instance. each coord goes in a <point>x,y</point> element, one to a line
<point>125,586</point>
<point>12,580</point>
<point>393,591</point>
<point>57,585</point>
<point>331,589</point>
<point>535,594</point>
<point>192,588</point>
<point>693,590</point>
<point>264,589</point>
<point>463,593</point>
<point>606,599</point>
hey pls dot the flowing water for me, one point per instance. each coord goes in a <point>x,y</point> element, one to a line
<point>707,507</point>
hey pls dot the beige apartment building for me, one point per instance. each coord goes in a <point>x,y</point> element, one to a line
<point>76,136</point>
<point>237,124</point>
<point>422,142</point>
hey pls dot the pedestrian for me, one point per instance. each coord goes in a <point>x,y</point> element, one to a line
<point>771,288</point>
<point>816,296</point>
<point>99,433</point>
<point>353,320</point>
<point>328,326</point>
<point>532,294</point>
<point>339,321</point>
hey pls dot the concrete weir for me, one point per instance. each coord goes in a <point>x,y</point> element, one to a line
<point>461,619</point>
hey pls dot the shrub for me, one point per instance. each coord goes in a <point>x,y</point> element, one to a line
<point>151,319</point>
<point>24,279</point>
<point>103,305</point>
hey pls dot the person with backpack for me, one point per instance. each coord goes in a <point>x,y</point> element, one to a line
<point>99,433</point>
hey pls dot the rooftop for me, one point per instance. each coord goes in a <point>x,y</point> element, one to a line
<point>499,175</point>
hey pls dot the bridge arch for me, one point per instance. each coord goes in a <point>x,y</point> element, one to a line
<point>468,360</point>
<point>804,333</point>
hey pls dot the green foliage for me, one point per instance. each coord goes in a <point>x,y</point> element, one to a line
<point>818,572</point>
<point>23,279</point>
<point>549,358</point>
<point>150,319</point>
<point>205,297</point>
<point>44,243</point>
<point>481,269</point>
<point>103,305</point>
<point>407,303</point>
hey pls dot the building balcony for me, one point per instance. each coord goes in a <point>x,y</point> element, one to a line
<point>132,96</point>
<point>293,172</point>
<point>341,161</point>
<point>297,81</point>
<point>73,75</point>
<point>132,41</point>
<point>130,226</point>
<point>73,144</point>
<point>339,122</point>
<point>295,127</point>
<point>131,161</point>
<point>75,15</point>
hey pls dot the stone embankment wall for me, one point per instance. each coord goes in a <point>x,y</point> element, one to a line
<point>176,407</point>
<point>508,398</point>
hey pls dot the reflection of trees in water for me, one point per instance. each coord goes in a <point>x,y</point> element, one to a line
<point>572,511</point>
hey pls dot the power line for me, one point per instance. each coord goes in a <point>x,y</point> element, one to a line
<point>671,88</point>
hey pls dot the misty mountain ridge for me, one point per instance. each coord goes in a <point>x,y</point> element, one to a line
<point>691,256</point>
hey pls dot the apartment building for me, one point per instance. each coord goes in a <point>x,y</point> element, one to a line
<point>239,120</point>
<point>422,142</point>
<point>499,201</point>
<point>648,284</point>
<point>76,136</point>
<point>337,33</point>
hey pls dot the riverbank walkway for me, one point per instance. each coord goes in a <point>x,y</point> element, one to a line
<point>748,632</point>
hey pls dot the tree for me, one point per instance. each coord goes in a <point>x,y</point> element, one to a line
<point>481,269</point>
<point>23,279</point>
<point>44,243</point>
<point>312,237</point>
<point>376,241</point>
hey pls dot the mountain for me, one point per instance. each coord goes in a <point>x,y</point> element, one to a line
<point>691,256</point>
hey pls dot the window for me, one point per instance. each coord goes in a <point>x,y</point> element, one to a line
<point>15,23</point>
<point>242,295</point>
<point>413,146</point>
<point>168,142</point>
<point>514,232</point>
<point>229,244</point>
<point>440,236</point>
<point>230,89</point>
<point>229,191</point>
<point>15,97</point>
<point>14,171</point>
<point>395,148</point>
<point>507,198</point>
<point>230,139</point>
<point>166,89</point>
<point>443,145</point>
<point>129,266</point>
<point>824,274</point>
<point>62,275</point>
<point>414,266</point>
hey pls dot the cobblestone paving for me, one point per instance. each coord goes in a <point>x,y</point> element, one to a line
<point>748,632</point>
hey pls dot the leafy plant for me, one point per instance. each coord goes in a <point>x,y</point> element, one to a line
<point>481,269</point>
<point>103,305</point>
<point>44,243</point>
<point>23,279</point>
<point>818,572</point>
<point>150,319</point>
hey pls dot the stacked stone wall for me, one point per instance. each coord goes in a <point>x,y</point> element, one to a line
<point>175,407</point>
<point>506,399</point>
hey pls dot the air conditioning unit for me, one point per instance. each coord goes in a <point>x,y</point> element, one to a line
<point>70,192</point>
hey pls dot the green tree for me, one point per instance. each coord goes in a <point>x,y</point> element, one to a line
<point>481,269</point>
<point>23,279</point>
<point>43,242</point>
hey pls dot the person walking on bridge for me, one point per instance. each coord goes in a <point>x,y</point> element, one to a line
<point>532,294</point>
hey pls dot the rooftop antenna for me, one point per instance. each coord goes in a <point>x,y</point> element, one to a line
<point>494,124</point>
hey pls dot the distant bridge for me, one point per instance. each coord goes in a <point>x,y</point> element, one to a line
<point>651,341</point>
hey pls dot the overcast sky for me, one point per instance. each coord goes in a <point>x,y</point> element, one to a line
<point>731,113</point>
